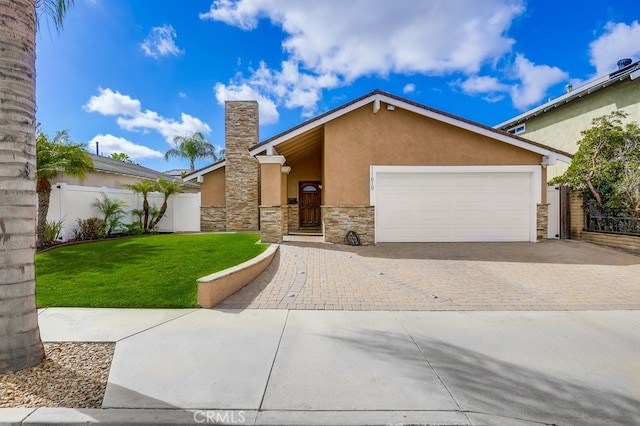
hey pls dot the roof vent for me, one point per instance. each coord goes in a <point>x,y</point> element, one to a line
<point>625,62</point>
<point>569,87</point>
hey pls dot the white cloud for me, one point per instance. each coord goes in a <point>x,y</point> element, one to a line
<point>409,88</point>
<point>529,83</point>
<point>619,41</point>
<point>243,92</point>
<point>109,102</point>
<point>333,42</point>
<point>108,144</point>
<point>483,84</point>
<point>535,80</point>
<point>161,42</point>
<point>132,118</point>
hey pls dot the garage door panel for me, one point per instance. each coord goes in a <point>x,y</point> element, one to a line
<point>432,207</point>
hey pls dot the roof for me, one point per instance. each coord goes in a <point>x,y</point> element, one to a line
<point>631,72</point>
<point>111,165</point>
<point>312,129</point>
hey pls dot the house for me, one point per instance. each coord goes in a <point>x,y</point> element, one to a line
<point>387,168</point>
<point>111,173</point>
<point>558,123</point>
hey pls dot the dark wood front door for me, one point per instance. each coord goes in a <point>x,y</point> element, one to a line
<point>309,204</point>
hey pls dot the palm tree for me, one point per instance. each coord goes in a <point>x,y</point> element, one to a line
<point>112,209</point>
<point>55,156</point>
<point>20,343</point>
<point>168,189</point>
<point>121,156</point>
<point>143,188</point>
<point>193,147</point>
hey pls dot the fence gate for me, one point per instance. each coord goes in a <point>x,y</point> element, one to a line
<point>559,225</point>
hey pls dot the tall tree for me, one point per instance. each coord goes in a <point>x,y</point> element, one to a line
<point>20,343</point>
<point>55,156</point>
<point>193,147</point>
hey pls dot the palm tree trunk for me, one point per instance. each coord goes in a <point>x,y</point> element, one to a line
<point>163,210</point>
<point>43,188</point>
<point>20,344</point>
<point>145,207</point>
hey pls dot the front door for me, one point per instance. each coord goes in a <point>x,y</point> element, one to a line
<point>309,204</point>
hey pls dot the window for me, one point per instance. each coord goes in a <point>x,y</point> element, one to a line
<point>309,188</point>
<point>517,130</point>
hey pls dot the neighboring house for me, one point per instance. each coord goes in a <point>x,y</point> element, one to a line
<point>72,199</point>
<point>177,172</point>
<point>111,173</point>
<point>558,123</point>
<point>382,166</point>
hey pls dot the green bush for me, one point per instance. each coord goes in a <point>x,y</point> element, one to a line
<point>132,228</point>
<point>93,228</point>
<point>52,231</point>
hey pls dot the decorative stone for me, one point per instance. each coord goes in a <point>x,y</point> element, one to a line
<point>338,220</point>
<point>241,170</point>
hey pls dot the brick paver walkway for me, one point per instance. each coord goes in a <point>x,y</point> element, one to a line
<point>557,275</point>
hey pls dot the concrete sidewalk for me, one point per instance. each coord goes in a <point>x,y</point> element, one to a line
<point>340,367</point>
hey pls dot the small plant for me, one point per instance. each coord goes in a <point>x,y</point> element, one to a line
<point>112,210</point>
<point>93,228</point>
<point>52,231</point>
<point>133,228</point>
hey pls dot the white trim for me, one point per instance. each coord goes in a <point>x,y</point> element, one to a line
<point>204,171</point>
<point>271,159</point>
<point>286,169</point>
<point>536,177</point>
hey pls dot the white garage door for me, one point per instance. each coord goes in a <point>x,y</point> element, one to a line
<point>454,206</point>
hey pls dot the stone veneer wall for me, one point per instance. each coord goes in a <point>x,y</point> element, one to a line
<point>241,170</point>
<point>338,220</point>
<point>294,217</point>
<point>629,243</point>
<point>576,214</point>
<point>272,223</point>
<point>542,222</point>
<point>213,219</point>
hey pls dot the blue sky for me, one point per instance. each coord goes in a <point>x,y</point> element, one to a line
<point>132,75</point>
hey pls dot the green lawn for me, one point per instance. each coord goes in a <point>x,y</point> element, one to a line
<point>153,271</point>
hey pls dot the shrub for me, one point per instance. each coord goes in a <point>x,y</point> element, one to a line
<point>132,228</point>
<point>93,228</point>
<point>52,231</point>
<point>112,210</point>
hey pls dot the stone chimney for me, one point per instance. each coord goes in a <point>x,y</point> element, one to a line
<point>241,170</point>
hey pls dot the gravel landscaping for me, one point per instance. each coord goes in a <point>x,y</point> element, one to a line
<point>74,375</point>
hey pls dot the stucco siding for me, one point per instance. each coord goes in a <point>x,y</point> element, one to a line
<point>561,127</point>
<point>212,189</point>
<point>357,140</point>
<point>306,170</point>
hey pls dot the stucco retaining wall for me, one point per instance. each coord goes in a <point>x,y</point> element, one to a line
<point>214,288</point>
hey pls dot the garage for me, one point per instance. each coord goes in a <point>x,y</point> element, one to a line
<point>455,204</point>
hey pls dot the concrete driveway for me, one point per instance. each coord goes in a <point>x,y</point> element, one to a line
<point>556,275</point>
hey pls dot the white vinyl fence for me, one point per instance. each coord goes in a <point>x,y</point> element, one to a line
<point>72,202</point>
